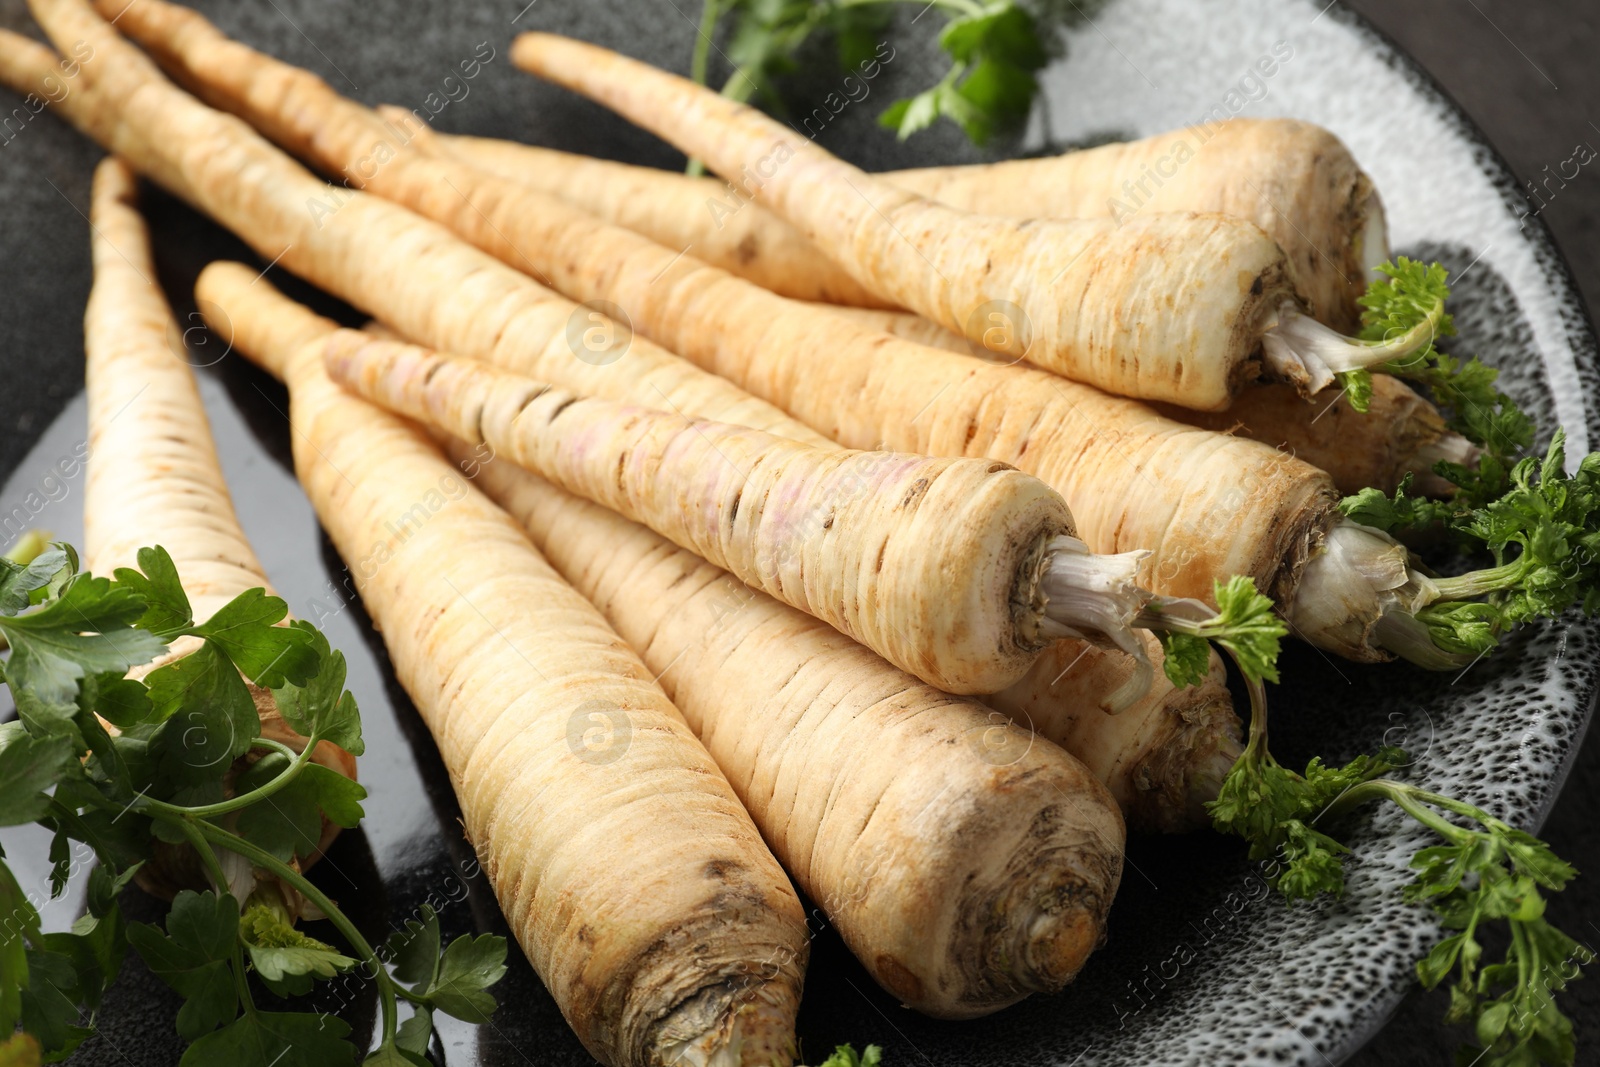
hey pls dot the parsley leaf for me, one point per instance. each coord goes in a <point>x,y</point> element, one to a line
<point>121,701</point>
<point>167,605</point>
<point>322,705</point>
<point>28,767</point>
<point>1542,532</point>
<point>416,1033</point>
<point>995,51</point>
<point>194,956</point>
<point>51,1009</point>
<point>765,36</point>
<point>455,983</point>
<point>206,713</point>
<point>279,951</point>
<point>413,950</point>
<point>20,583</point>
<point>1245,624</point>
<point>470,965</point>
<point>121,839</point>
<point>50,1002</point>
<point>1408,295</point>
<point>245,630</point>
<point>991,83</point>
<point>275,1039</point>
<point>22,925</point>
<point>845,1056</point>
<point>1372,507</point>
<point>289,823</point>
<point>86,630</point>
<point>60,862</point>
<point>1357,387</point>
<point>1464,389</point>
<point>1275,809</point>
<point>1495,874</point>
<point>1187,658</point>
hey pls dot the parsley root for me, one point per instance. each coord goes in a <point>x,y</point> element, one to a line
<point>1183,308</point>
<point>1163,757</point>
<point>723,228</point>
<point>1399,433</point>
<point>957,571</point>
<point>902,811</point>
<point>154,478</point>
<point>1295,180</point>
<point>616,873</point>
<point>1304,189</point>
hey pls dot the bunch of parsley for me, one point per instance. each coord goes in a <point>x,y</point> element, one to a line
<point>174,772</point>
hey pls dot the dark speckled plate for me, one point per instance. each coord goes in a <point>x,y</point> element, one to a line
<point>1203,965</point>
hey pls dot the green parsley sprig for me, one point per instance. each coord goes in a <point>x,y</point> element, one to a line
<point>1542,536</point>
<point>1244,624</point>
<point>1410,298</point>
<point>174,772</point>
<point>1484,872</point>
<point>995,51</point>
<point>995,54</point>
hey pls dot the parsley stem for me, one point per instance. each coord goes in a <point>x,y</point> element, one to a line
<point>702,44</point>
<point>208,856</point>
<point>1098,595</point>
<point>1477,583</point>
<point>205,811</point>
<point>202,849</point>
<point>1415,803</point>
<point>1255,749</point>
<point>28,547</point>
<point>965,8</point>
<point>710,10</point>
<point>260,857</point>
<point>413,998</point>
<point>1419,804</point>
<point>1526,952</point>
<point>1164,614</point>
<point>276,746</point>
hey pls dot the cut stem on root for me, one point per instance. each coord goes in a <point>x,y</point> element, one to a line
<point>1097,597</point>
<point>1299,349</point>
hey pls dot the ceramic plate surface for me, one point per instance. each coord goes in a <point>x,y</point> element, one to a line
<point>1204,965</point>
